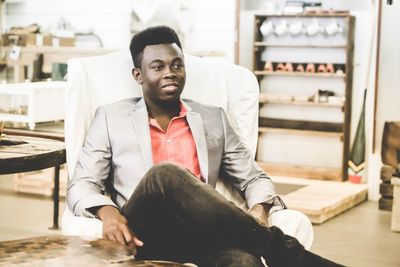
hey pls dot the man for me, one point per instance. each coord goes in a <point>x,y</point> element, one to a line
<point>159,158</point>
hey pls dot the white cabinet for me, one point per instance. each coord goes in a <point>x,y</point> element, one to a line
<point>32,102</point>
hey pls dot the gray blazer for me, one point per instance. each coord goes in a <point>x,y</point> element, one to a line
<point>117,152</point>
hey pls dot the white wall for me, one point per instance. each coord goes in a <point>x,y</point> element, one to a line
<point>212,23</point>
<point>337,4</point>
<point>213,26</point>
<point>109,19</point>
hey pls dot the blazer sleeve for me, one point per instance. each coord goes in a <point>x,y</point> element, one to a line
<point>239,166</point>
<point>86,189</point>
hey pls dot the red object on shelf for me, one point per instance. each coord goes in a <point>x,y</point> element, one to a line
<point>355,179</point>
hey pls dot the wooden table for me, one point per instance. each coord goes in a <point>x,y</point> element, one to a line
<point>70,251</point>
<point>38,132</point>
<point>24,154</point>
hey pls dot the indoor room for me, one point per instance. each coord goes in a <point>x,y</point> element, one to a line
<point>199,133</point>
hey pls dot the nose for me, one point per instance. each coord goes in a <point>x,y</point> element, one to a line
<point>170,73</point>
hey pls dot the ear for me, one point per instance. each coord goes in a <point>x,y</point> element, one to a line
<point>137,75</point>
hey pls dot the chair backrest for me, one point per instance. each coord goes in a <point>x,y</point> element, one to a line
<point>96,81</point>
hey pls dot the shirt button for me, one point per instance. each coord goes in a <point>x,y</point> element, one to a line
<point>168,141</point>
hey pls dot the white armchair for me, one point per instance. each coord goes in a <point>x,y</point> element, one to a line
<point>100,80</point>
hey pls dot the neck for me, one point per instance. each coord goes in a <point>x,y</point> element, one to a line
<point>169,109</point>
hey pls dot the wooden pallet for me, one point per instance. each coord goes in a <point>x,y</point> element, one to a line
<point>322,200</point>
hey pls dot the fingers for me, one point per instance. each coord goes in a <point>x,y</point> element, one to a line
<point>115,228</point>
<point>130,237</point>
<point>120,238</point>
<point>110,237</point>
<point>122,235</point>
<point>114,235</point>
<point>263,222</point>
<point>137,241</point>
<point>127,235</point>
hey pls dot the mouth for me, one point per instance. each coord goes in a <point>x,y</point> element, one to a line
<point>170,87</point>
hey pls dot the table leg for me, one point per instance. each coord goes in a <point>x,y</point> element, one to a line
<point>56,198</point>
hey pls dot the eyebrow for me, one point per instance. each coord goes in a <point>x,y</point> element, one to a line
<point>161,61</point>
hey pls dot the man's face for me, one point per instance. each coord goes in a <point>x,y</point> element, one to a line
<point>162,73</point>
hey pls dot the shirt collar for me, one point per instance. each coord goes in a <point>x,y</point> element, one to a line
<point>182,114</point>
<point>183,111</point>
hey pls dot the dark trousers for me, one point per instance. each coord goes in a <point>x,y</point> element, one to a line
<point>179,218</point>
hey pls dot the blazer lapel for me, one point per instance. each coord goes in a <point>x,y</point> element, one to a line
<point>140,120</point>
<point>196,126</point>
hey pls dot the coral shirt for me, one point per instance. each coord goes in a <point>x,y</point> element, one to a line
<point>175,145</point>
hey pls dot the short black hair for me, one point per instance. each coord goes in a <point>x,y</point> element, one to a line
<point>151,36</point>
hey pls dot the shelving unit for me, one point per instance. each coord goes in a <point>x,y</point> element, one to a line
<point>304,133</point>
<point>299,132</point>
<point>29,102</point>
<point>24,66</point>
<point>301,74</point>
<point>267,44</point>
<point>265,100</point>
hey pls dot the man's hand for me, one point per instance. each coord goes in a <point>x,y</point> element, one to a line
<point>115,227</point>
<point>260,212</point>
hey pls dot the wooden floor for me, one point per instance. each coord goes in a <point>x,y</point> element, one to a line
<point>359,237</point>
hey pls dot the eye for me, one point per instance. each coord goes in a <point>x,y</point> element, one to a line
<point>157,67</point>
<point>177,66</point>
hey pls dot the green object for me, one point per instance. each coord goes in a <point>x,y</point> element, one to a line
<point>357,154</point>
<point>59,71</point>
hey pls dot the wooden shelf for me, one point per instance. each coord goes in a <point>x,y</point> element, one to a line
<point>299,132</point>
<point>344,14</point>
<point>293,45</point>
<point>320,173</point>
<point>319,126</point>
<point>298,74</point>
<point>265,100</point>
<point>54,135</point>
<point>74,51</point>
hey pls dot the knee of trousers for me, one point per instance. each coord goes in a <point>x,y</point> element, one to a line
<point>166,173</point>
<point>294,223</point>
